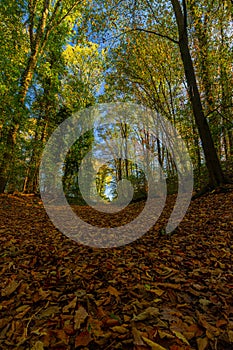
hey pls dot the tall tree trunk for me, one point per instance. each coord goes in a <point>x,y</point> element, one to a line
<point>7,157</point>
<point>216,176</point>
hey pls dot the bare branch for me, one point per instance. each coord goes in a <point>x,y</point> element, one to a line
<point>156,33</point>
<point>217,110</point>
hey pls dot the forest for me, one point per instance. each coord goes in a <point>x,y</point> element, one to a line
<point>139,95</point>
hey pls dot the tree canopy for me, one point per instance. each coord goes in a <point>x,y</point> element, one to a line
<point>63,56</point>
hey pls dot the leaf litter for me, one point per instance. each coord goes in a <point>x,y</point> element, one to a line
<point>159,292</point>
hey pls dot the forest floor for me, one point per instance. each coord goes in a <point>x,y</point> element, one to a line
<point>156,293</point>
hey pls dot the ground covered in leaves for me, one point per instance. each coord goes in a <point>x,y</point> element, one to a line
<point>157,293</point>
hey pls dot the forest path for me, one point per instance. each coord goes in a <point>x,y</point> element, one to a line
<point>175,292</point>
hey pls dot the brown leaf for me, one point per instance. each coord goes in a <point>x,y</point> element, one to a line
<point>153,346</point>
<point>10,288</point>
<point>221,323</point>
<point>120,329</point>
<point>180,336</point>
<point>95,325</point>
<point>110,322</point>
<point>60,333</point>
<point>149,313</point>
<point>71,305</point>
<point>69,329</point>
<point>38,346</point>
<point>113,291</point>
<point>22,311</point>
<point>158,292</point>
<point>202,343</point>
<point>80,316</point>
<point>48,312</point>
<point>170,285</point>
<point>203,322</point>
<point>163,334</point>
<point>83,339</point>
<point>230,335</point>
<point>137,337</point>
<point>4,322</point>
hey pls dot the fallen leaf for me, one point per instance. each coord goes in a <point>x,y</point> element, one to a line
<point>22,311</point>
<point>163,334</point>
<point>83,339</point>
<point>154,346</point>
<point>180,336</point>
<point>158,292</point>
<point>149,313</point>
<point>95,326</point>
<point>203,322</point>
<point>71,305</point>
<point>137,337</point>
<point>80,316</point>
<point>230,335</point>
<point>221,323</point>
<point>113,291</point>
<point>38,346</point>
<point>120,329</point>
<point>10,288</point>
<point>48,312</point>
<point>60,333</point>
<point>202,343</point>
<point>110,322</point>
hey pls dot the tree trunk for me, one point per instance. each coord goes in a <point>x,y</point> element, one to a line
<point>7,157</point>
<point>216,176</point>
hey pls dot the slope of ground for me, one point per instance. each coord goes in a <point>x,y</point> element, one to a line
<point>157,293</point>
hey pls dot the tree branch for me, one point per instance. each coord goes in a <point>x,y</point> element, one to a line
<point>217,110</point>
<point>50,27</point>
<point>185,14</point>
<point>31,9</point>
<point>156,33</point>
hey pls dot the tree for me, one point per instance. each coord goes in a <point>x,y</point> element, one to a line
<point>211,36</point>
<point>41,19</point>
<point>216,176</point>
<point>149,17</point>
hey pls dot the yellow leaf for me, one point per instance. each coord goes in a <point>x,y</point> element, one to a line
<point>38,346</point>
<point>163,334</point>
<point>137,337</point>
<point>202,343</point>
<point>150,312</point>
<point>230,335</point>
<point>181,337</point>
<point>158,292</point>
<point>154,346</point>
<point>120,329</point>
<point>157,300</point>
